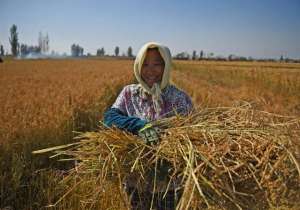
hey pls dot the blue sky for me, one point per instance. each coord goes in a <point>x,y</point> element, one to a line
<point>257,28</point>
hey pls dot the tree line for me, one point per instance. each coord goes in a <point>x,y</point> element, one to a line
<point>77,51</point>
<point>209,56</point>
<point>101,52</point>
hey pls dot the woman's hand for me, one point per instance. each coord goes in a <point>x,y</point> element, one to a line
<point>150,134</point>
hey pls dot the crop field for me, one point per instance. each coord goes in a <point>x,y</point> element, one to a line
<point>44,103</point>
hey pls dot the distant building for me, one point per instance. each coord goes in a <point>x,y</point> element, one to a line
<point>43,43</point>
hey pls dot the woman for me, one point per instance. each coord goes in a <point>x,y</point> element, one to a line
<point>153,98</point>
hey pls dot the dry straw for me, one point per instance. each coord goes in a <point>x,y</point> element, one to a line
<point>224,157</point>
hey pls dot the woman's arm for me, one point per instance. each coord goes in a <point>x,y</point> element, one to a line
<point>183,104</point>
<point>115,117</point>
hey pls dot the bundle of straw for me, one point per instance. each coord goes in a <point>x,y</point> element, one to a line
<point>227,157</point>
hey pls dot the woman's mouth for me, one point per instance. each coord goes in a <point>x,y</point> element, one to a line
<point>152,79</point>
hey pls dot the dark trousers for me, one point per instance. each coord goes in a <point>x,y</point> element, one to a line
<point>142,200</point>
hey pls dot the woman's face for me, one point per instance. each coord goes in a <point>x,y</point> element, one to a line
<point>153,67</point>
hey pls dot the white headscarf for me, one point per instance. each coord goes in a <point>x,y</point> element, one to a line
<point>155,91</point>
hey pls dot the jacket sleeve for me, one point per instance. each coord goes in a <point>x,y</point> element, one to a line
<point>115,117</point>
<point>183,104</point>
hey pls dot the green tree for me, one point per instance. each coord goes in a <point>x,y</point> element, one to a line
<point>201,55</point>
<point>24,50</point>
<point>1,50</point>
<point>101,52</point>
<point>14,41</point>
<point>117,50</point>
<point>194,55</point>
<point>129,52</point>
<point>76,50</point>
<point>281,58</point>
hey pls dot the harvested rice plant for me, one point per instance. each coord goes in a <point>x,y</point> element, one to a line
<point>239,149</point>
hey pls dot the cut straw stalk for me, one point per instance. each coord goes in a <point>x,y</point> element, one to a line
<point>208,150</point>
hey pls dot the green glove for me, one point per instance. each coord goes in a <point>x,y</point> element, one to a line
<point>149,134</point>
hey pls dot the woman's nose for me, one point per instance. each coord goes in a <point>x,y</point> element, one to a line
<point>152,71</point>
<point>151,66</point>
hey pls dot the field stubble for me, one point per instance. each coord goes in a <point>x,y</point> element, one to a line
<point>44,101</point>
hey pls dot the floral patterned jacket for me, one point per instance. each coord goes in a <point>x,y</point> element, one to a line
<point>132,109</point>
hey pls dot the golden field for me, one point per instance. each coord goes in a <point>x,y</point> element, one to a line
<point>44,101</point>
